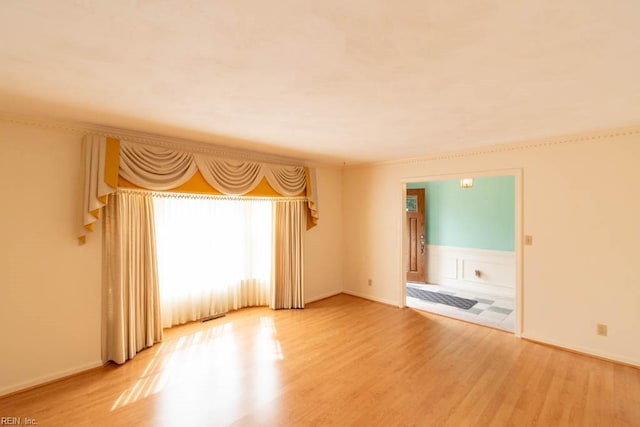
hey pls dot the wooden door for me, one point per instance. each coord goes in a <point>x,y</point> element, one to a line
<point>415,235</point>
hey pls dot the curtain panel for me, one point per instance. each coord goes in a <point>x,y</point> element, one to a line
<point>287,289</point>
<point>131,292</point>
<point>160,169</point>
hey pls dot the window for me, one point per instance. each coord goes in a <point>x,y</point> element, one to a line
<point>214,254</point>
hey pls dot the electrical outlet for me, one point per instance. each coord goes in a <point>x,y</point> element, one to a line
<point>601,329</point>
<point>370,282</point>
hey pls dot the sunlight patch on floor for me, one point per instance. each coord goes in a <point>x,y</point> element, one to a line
<point>172,358</point>
<point>210,353</point>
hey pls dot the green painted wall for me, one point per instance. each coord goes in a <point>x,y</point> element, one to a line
<point>481,217</point>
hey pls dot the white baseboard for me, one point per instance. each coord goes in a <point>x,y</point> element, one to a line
<point>582,350</point>
<point>48,378</point>
<point>323,296</point>
<point>457,267</point>
<point>371,298</point>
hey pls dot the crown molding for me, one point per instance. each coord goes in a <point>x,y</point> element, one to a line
<point>42,123</point>
<point>159,140</point>
<point>600,136</point>
<point>229,152</point>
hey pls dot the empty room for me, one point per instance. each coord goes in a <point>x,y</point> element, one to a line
<point>319,213</point>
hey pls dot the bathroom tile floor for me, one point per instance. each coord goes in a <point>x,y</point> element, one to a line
<point>496,311</point>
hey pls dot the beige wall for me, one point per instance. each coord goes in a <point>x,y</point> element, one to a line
<point>580,204</point>
<point>323,243</point>
<point>50,286</point>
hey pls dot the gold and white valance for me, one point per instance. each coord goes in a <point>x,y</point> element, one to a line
<point>155,168</point>
<point>111,163</point>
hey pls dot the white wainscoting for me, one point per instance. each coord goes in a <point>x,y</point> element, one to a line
<point>457,267</point>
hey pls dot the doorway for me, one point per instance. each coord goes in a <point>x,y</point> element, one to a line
<point>463,257</point>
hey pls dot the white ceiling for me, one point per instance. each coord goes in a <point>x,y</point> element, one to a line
<point>333,80</point>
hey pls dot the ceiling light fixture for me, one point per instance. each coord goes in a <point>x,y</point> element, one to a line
<point>466,182</point>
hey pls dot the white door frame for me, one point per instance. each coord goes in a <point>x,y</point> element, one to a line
<point>518,175</point>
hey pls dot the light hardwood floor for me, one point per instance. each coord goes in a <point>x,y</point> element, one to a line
<point>340,361</point>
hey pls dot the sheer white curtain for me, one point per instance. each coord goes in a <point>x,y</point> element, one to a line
<point>214,254</point>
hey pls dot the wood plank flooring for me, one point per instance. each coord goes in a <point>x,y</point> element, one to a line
<point>341,361</point>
